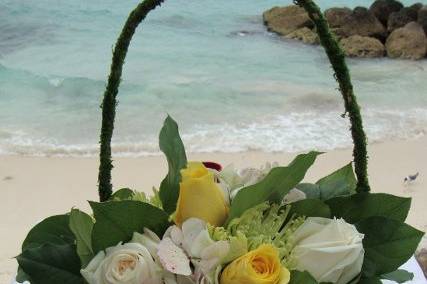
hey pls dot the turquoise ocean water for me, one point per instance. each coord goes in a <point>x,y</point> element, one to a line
<point>230,84</point>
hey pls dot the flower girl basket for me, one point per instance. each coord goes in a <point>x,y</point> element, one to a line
<point>66,248</point>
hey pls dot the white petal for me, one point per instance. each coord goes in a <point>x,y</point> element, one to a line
<point>294,195</point>
<point>177,236</point>
<point>173,258</point>
<point>337,243</point>
<point>191,229</point>
<point>89,272</point>
<point>149,239</point>
<point>201,242</point>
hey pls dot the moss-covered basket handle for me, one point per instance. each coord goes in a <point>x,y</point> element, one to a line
<point>330,44</point>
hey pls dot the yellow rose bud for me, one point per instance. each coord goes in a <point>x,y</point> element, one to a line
<point>260,266</point>
<point>200,197</point>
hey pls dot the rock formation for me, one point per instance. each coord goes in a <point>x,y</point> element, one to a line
<point>362,46</point>
<point>383,8</point>
<point>285,20</point>
<point>386,28</point>
<point>409,42</point>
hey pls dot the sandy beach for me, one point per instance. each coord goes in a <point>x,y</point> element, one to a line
<point>33,188</point>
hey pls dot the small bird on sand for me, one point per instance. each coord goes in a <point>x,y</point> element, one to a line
<point>410,178</point>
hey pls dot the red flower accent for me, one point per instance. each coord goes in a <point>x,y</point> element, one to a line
<point>213,165</point>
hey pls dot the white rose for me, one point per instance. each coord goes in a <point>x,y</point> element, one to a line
<point>331,250</point>
<point>129,263</point>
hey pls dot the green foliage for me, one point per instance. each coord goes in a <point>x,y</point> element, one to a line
<point>54,230</point>
<point>399,276</point>
<point>361,206</point>
<point>274,186</point>
<point>128,194</point>
<point>372,280</point>
<point>122,194</point>
<point>388,244</point>
<point>81,225</point>
<point>310,208</point>
<point>116,221</point>
<point>21,276</point>
<point>51,264</point>
<point>340,183</point>
<point>298,277</point>
<point>311,190</point>
<point>172,146</point>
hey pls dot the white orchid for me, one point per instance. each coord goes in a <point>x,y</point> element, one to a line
<point>192,243</point>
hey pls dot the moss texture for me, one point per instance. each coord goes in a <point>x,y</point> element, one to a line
<point>109,102</point>
<point>337,58</point>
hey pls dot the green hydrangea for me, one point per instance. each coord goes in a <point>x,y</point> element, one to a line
<point>268,224</point>
<point>128,194</point>
<point>153,200</point>
<point>238,242</point>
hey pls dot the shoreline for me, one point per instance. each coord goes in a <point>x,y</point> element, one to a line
<point>36,187</point>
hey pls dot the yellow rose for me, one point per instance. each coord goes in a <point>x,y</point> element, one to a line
<point>200,197</point>
<point>260,266</point>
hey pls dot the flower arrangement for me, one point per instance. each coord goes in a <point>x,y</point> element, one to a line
<point>206,224</point>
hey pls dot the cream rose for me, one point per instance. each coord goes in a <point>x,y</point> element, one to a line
<point>330,250</point>
<point>129,263</point>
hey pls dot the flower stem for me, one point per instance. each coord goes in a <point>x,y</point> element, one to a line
<point>109,102</point>
<point>337,58</point>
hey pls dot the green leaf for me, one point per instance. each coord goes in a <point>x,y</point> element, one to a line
<point>399,276</point>
<point>172,146</point>
<point>339,183</point>
<point>388,244</point>
<point>312,191</point>
<point>274,186</point>
<point>310,208</point>
<point>54,230</point>
<point>122,194</point>
<point>51,264</point>
<point>360,206</point>
<point>298,277</point>
<point>81,225</point>
<point>372,280</point>
<point>116,221</point>
<point>21,276</point>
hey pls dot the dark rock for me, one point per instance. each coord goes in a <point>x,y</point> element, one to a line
<point>383,8</point>
<point>285,20</point>
<point>361,22</point>
<point>401,18</point>
<point>337,16</point>
<point>362,46</point>
<point>416,7</point>
<point>409,42</point>
<point>305,35</point>
<point>422,18</point>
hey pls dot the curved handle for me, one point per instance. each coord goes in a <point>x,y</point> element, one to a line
<point>109,102</point>
<point>335,55</point>
<point>337,58</point>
